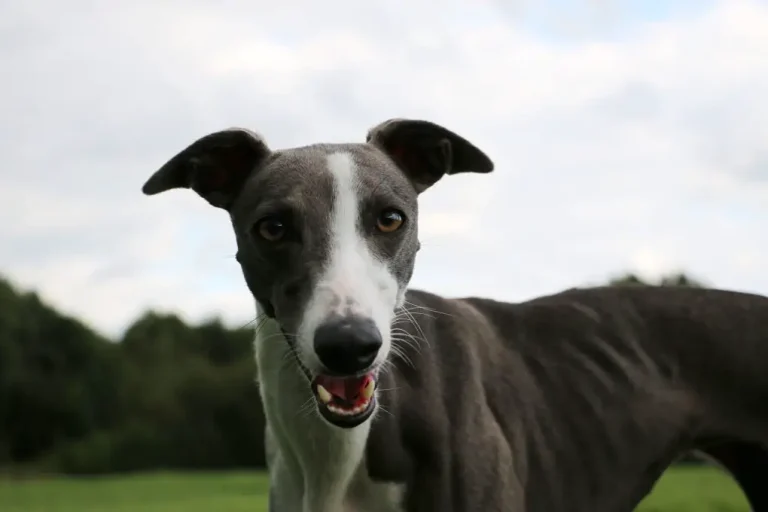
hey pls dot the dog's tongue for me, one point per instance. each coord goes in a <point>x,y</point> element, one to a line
<point>346,388</point>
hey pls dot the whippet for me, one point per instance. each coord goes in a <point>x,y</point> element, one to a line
<point>380,398</point>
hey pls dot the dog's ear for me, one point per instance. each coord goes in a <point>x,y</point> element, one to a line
<point>426,151</point>
<point>215,166</point>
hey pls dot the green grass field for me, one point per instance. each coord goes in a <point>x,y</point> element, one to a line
<point>681,490</point>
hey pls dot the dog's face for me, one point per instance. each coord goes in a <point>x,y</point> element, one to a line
<point>327,239</point>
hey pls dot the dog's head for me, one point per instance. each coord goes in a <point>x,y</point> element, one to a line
<point>326,239</point>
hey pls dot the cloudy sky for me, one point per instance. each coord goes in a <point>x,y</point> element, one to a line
<point>627,135</point>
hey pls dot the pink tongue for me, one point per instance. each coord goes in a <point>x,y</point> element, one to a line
<point>345,388</point>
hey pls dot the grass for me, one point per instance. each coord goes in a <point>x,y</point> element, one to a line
<point>695,489</point>
<point>681,490</point>
<point>151,492</point>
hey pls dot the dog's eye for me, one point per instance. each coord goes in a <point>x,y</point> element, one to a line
<point>389,221</point>
<point>271,229</point>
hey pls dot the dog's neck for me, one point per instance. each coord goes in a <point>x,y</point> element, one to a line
<point>319,460</point>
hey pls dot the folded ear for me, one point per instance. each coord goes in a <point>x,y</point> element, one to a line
<point>215,166</point>
<point>426,151</point>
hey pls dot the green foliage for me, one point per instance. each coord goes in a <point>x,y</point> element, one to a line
<point>676,279</point>
<point>58,379</point>
<point>168,395</point>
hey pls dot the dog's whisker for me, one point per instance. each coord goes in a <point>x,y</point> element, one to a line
<point>385,367</point>
<point>271,336</point>
<point>406,341</point>
<point>385,411</point>
<point>404,314</point>
<point>409,321</point>
<point>402,344</point>
<point>395,388</point>
<point>256,320</point>
<point>307,408</point>
<point>405,332</point>
<point>408,338</point>
<point>425,308</point>
<point>405,335</point>
<point>417,327</point>
<point>397,351</point>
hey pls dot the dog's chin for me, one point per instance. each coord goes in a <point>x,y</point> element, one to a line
<point>344,421</point>
<point>346,402</point>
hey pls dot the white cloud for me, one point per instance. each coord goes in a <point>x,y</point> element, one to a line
<point>642,152</point>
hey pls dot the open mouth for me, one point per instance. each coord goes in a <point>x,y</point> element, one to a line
<point>345,401</point>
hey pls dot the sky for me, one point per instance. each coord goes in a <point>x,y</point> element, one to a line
<point>627,136</point>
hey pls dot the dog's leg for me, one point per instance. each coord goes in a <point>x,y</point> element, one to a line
<point>748,465</point>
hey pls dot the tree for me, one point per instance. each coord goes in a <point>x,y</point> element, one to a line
<point>167,395</point>
<point>674,279</point>
<point>58,378</point>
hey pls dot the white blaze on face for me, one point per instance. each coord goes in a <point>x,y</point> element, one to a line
<point>354,281</point>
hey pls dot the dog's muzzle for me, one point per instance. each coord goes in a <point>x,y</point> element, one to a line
<point>347,348</point>
<point>345,392</point>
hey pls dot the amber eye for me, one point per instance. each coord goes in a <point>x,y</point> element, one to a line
<point>271,229</point>
<point>389,221</point>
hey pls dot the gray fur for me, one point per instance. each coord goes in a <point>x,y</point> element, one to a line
<point>572,402</point>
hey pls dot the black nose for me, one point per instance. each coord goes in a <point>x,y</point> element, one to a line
<point>347,345</point>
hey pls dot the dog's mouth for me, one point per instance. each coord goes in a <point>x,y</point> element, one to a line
<point>345,401</point>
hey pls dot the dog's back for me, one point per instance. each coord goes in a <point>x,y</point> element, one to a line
<point>573,401</point>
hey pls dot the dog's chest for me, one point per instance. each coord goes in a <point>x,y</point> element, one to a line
<point>321,467</point>
<point>365,495</point>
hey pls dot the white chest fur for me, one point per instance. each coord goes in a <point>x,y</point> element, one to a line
<point>313,466</point>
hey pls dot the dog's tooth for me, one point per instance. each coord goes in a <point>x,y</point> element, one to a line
<point>324,395</point>
<point>368,389</point>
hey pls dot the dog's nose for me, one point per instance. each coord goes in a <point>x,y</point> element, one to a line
<point>347,345</point>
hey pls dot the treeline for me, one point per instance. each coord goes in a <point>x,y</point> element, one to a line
<point>167,395</point>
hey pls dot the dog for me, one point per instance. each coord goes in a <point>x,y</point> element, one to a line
<point>380,398</point>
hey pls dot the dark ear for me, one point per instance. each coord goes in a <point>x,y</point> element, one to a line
<point>425,151</point>
<point>215,166</point>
